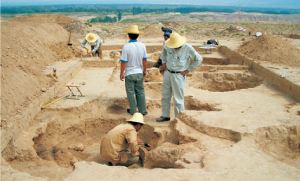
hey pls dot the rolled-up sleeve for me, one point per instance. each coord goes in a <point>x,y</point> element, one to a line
<point>131,138</point>
<point>196,57</point>
<point>164,55</point>
<point>83,43</point>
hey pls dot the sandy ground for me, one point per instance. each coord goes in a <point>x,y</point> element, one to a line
<point>235,126</point>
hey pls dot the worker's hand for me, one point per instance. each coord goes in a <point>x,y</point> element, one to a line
<point>184,72</point>
<point>140,142</point>
<point>122,76</point>
<point>137,153</point>
<point>164,66</point>
<point>90,52</point>
<point>144,73</point>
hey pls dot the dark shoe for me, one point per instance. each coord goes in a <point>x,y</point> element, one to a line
<point>162,119</point>
<point>128,110</point>
<point>142,156</point>
<point>145,113</point>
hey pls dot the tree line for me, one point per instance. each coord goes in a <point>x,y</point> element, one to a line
<point>137,9</point>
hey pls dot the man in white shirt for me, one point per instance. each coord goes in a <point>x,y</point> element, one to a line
<point>134,63</point>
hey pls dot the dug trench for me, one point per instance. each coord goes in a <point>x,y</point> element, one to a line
<point>65,140</point>
<point>58,138</point>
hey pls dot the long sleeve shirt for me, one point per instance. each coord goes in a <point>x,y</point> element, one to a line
<point>120,138</point>
<point>96,43</point>
<point>179,60</point>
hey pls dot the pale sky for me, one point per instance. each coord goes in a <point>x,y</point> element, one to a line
<point>292,4</point>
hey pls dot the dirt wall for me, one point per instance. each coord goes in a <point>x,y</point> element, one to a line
<point>270,76</point>
<point>16,124</point>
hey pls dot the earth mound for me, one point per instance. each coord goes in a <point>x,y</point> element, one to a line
<point>153,31</point>
<point>45,18</point>
<point>273,49</point>
<point>77,27</point>
<point>27,48</point>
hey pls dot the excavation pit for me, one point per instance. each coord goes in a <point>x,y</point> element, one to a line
<point>79,142</point>
<point>224,81</point>
<point>191,103</point>
<point>67,140</point>
<point>280,142</point>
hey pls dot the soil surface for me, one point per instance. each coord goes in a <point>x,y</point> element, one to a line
<point>236,126</point>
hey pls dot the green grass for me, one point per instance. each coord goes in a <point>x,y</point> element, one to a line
<point>105,29</point>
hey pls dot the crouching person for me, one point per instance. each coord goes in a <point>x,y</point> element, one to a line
<point>120,145</point>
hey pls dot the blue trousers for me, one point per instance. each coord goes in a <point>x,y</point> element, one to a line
<point>135,89</point>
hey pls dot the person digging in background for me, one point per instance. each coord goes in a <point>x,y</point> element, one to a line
<point>95,42</point>
<point>166,37</point>
<point>176,56</point>
<point>115,144</point>
<point>134,63</point>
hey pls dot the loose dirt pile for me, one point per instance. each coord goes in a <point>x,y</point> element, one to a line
<point>27,48</point>
<point>273,49</point>
<point>77,27</point>
<point>153,31</point>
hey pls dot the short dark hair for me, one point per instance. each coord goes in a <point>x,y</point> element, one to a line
<point>164,29</point>
<point>135,123</point>
<point>133,36</point>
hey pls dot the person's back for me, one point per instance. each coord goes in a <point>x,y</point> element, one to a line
<point>134,64</point>
<point>134,53</point>
<point>116,140</point>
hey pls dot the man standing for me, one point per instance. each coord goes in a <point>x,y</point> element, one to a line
<point>115,144</point>
<point>134,63</point>
<point>176,56</point>
<point>95,43</point>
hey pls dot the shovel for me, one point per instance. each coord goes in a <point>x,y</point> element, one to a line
<point>70,44</point>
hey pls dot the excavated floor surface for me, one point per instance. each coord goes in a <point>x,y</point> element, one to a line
<point>234,122</point>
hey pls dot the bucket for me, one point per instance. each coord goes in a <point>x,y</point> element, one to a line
<point>54,71</point>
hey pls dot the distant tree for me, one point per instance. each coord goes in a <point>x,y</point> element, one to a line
<point>105,19</point>
<point>119,16</point>
<point>136,10</point>
<point>119,9</point>
<point>133,10</point>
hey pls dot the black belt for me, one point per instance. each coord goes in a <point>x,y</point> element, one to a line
<point>174,72</point>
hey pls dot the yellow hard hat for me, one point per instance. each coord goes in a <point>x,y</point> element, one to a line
<point>175,40</point>
<point>137,118</point>
<point>134,30</point>
<point>91,37</point>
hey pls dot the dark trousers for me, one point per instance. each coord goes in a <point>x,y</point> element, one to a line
<point>158,63</point>
<point>98,52</point>
<point>135,89</point>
